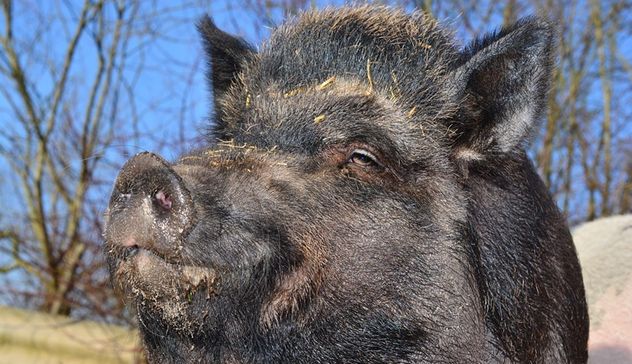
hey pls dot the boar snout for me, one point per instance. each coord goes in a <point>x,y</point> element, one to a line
<point>150,208</point>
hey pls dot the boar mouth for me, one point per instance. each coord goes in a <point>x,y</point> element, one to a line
<point>126,254</point>
<point>151,275</point>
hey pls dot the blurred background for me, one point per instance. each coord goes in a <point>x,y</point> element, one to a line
<point>84,85</point>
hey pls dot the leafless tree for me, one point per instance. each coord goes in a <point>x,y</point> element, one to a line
<point>69,77</point>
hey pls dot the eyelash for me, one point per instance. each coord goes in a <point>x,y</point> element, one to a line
<point>364,159</point>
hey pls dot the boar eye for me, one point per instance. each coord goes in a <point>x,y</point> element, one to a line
<point>364,158</point>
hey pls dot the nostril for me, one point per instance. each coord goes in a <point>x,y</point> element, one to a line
<point>163,200</point>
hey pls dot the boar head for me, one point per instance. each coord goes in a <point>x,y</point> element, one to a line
<point>365,197</point>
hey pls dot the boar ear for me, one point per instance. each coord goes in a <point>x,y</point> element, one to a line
<point>226,55</point>
<point>504,79</point>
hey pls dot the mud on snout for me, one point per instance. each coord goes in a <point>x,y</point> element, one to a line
<point>150,215</point>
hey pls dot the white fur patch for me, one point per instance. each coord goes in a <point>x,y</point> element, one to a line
<point>469,155</point>
<point>512,132</point>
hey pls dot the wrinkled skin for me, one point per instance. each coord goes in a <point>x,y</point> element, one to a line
<point>365,197</point>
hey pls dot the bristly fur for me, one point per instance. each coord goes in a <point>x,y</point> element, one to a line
<point>365,197</point>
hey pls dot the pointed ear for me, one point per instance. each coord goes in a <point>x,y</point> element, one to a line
<point>504,80</point>
<point>226,56</point>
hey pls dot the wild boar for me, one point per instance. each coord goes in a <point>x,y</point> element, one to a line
<point>365,197</point>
